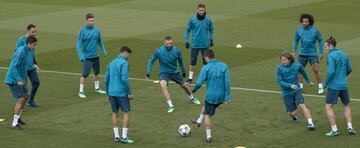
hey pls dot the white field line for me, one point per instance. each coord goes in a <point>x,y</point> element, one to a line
<point>140,79</point>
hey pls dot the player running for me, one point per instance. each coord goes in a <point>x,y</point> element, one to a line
<point>16,79</point>
<point>308,35</point>
<point>119,92</point>
<point>32,69</point>
<point>202,35</point>
<point>287,78</point>
<point>168,56</point>
<point>87,48</point>
<point>339,67</point>
<point>217,77</point>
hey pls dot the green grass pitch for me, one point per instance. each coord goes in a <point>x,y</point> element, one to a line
<point>253,119</point>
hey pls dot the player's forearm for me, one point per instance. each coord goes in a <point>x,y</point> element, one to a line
<point>329,78</point>
<point>17,74</point>
<point>195,88</point>
<point>129,90</point>
<point>295,45</point>
<point>34,60</point>
<point>284,84</point>
<point>227,93</point>
<point>187,34</point>
<point>79,51</point>
<point>212,34</point>
<point>321,46</point>
<point>102,46</point>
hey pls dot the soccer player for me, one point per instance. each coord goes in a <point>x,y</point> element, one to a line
<point>119,92</point>
<point>287,78</point>
<point>339,67</point>
<point>32,68</point>
<point>87,48</point>
<point>217,77</point>
<point>202,35</point>
<point>168,56</point>
<point>16,78</point>
<point>308,35</point>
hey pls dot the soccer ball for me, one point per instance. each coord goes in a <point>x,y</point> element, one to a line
<point>184,130</point>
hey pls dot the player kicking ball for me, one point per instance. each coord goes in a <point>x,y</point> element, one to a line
<point>168,56</point>
<point>217,77</point>
<point>287,78</point>
<point>119,92</point>
<point>16,79</point>
<point>339,67</point>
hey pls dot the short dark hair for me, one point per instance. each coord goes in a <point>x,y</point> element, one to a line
<point>331,40</point>
<point>210,54</point>
<point>125,49</point>
<point>168,38</point>
<point>201,5</point>
<point>288,55</point>
<point>89,15</point>
<point>307,16</point>
<point>30,26</point>
<point>31,40</point>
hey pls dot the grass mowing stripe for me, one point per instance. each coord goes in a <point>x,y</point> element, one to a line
<point>139,79</point>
